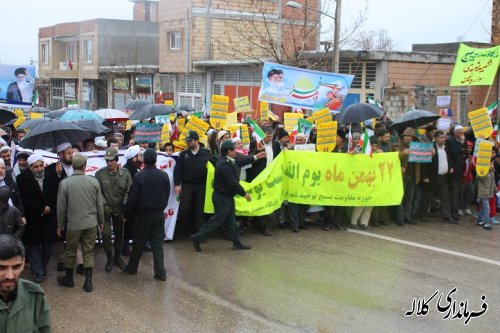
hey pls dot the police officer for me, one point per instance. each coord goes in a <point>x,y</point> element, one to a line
<point>226,187</point>
<point>146,203</point>
<point>115,183</point>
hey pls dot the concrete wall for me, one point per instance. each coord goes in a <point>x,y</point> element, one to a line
<point>122,43</point>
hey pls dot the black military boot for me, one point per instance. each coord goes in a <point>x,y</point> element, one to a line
<point>87,285</point>
<point>67,280</point>
<point>118,260</point>
<point>109,263</point>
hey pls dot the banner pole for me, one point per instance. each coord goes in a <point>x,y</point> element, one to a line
<point>487,95</point>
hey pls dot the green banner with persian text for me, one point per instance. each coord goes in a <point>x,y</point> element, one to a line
<point>475,67</point>
<point>320,179</point>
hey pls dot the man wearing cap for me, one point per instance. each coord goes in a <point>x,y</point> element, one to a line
<point>79,211</point>
<point>41,226</point>
<point>55,173</point>
<point>115,183</point>
<point>226,187</point>
<point>190,176</point>
<point>457,154</point>
<point>146,203</point>
<point>22,162</point>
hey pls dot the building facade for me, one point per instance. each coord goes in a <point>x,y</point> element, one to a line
<point>100,63</point>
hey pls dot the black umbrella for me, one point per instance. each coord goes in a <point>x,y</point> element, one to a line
<point>52,133</point>
<point>29,124</point>
<point>359,112</point>
<point>136,104</point>
<point>150,111</point>
<point>55,114</point>
<point>413,119</point>
<point>91,125</point>
<point>6,116</point>
<point>186,108</point>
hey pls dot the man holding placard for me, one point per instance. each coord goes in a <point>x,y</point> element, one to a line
<point>457,150</point>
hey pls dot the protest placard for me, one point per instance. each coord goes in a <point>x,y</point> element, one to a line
<point>291,119</point>
<point>443,124</point>
<point>218,111</point>
<point>232,119</point>
<point>35,115</point>
<point>481,123</point>
<point>420,152</point>
<point>241,131</point>
<point>147,132</point>
<point>321,116</point>
<point>169,102</point>
<point>484,158</point>
<point>242,104</point>
<point>312,178</point>
<point>475,66</point>
<point>326,138</point>
<point>443,101</point>
<point>197,125</point>
<point>165,133</point>
<point>305,147</point>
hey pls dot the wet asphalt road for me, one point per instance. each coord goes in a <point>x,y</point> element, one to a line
<point>313,281</point>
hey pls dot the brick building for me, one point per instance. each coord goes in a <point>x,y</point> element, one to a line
<point>101,63</point>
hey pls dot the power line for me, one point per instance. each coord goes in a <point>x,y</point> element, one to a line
<point>477,17</point>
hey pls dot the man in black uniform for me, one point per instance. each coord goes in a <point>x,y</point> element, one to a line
<point>226,187</point>
<point>146,203</point>
<point>190,176</point>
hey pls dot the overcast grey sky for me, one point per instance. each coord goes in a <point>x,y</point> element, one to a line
<point>407,22</point>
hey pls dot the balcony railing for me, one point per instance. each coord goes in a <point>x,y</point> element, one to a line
<point>67,66</point>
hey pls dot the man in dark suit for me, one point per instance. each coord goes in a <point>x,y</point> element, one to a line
<point>55,173</point>
<point>434,178</point>
<point>457,154</point>
<point>272,148</point>
<point>41,226</point>
<point>6,180</point>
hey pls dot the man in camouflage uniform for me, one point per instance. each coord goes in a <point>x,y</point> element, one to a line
<point>115,183</point>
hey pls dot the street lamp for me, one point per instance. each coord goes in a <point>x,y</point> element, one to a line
<point>336,55</point>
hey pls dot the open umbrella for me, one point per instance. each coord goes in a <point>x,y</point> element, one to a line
<point>52,133</point>
<point>112,114</point>
<point>78,114</point>
<point>186,108</point>
<point>136,104</point>
<point>6,116</point>
<point>150,111</point>
<point>91,125</point>
<point>40,109</point>
<point>55,114</point>
<point>29,124</point>
<point>413,119</point>
<point>359,112</point>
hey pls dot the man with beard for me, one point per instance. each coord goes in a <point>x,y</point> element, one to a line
<point>21,90</point>
<point>55,173</point>
<point>40,229</point>
<point>133,155</point>
<point>22,162</point>
<point>6,180</point>
<point>5,155</point>
<point>23,305</point>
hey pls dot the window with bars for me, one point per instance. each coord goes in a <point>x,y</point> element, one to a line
<point>190,84</point>
<point>167,83</point>
<point>71,51</point>
<point>175,40</point>
<point>57,93</point>
<point>370,75</point>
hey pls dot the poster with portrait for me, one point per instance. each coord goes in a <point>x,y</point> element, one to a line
<point>303,88</point>
<point>17,84</point>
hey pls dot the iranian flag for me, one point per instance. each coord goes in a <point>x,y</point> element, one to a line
<point>303,126</point>
<point>492,109</point>
<point>350,144</point>
<point>238,133</point>
<point>371,100</point>
<point>257,133</point>
<point>365,143</point>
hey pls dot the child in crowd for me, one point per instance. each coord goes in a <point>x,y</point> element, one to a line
<point>486,188</point>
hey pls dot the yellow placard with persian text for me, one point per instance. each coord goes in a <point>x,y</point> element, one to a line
<point>326,139</point>
<point>242,104</point>
<point>484,158</point>
<point>169,102</point>
<point>241,130</point>
<point>35,115</point>
<point>218,111</point>
<point>291,119</point>
<point>481,123</point>
<point>321,116</point>
<point>231,120</point>
<point>197,125</point>
<point>323,179</point>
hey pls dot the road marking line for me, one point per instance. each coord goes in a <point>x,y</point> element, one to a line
<point>427,247</point>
